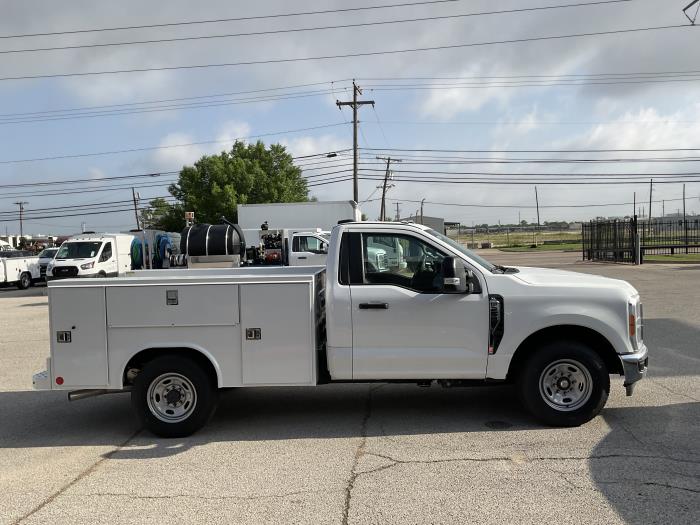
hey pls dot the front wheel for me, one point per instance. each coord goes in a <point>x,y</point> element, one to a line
<point>564,383</point>
<point>173,396</point>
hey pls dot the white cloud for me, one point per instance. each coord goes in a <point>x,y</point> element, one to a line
<point>301,146</point>
<point>230,131</point>
<point>170,158</point>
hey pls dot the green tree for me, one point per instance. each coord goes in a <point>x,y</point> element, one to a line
<point>161,215</point>
<point>217,184</point>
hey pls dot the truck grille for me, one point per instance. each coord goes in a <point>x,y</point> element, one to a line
<point>381,261</point>
<point>65,271</point>
<point>42,270</point>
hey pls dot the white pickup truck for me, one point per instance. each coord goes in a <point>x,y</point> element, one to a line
<point>174,338</point>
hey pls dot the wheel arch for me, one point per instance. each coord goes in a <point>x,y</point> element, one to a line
<point>598,343</point>
<point>198,355</point>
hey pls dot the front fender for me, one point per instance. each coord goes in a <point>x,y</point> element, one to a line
<point>523,320</point>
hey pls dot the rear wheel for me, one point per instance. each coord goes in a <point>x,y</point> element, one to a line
<point>564,383</point>
<point>173,396</point>
<point>25,281</point>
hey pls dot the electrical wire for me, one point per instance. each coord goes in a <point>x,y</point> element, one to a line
<point>304,29</point>
<point>151,148</point>
<point>348,55</point>
<point>237,19</point>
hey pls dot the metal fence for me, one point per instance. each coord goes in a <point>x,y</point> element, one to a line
<point>621,240</point>
<point>609,240</point>
<point>670,236</point>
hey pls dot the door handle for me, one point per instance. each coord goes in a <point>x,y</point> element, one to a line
<point>301,258</point>
<point>374,306</point>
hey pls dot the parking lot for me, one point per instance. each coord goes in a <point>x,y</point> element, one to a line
<point>364,454</point>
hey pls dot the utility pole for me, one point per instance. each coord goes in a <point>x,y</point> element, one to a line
<point>398,215</point>
<point>138,227</point>
<point>382,213</point>
<point>21,217</point>
<point>651,190</point>
<point>354,104</point>
<point>663,208</point>
<point>685,223</point>
<point>537,203</point>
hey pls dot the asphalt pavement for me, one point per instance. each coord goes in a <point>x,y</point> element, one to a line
<point>363,453</point>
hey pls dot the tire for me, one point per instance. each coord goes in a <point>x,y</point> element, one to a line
<point>564,384</point>
<point>25,281</point>
<point>194,396</point>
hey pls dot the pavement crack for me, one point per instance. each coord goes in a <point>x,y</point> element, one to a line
<point>85,473</point>
<point>649,483</point>
<point>358,455</point>
<point>199,497</point>
<point>670,390</point>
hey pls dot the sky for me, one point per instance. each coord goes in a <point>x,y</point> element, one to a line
<point>424,100</point>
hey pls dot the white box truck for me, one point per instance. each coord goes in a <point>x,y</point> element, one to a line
<point>92,255</point>
<point>299,216</point>
<point>174,338</point>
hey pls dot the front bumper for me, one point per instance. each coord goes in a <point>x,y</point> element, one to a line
<point>635,367</point>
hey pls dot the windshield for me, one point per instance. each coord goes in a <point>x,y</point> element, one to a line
<point>457,246</point>
<point>48,253</point>
<point>79,250</point>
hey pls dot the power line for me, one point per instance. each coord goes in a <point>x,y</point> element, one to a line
<point>349,55</point>
<point>305,29</point>
<point>76,181</point>
<point>526,206</point>
<point>73,191</point>
<point>151,148</point>
<point>29,114</point>
<point>158,101</point>
<point>158,109</point>
<point>237,19</point>
<point>500,182</point>
<point>590,150</point>
<point>84,205</point>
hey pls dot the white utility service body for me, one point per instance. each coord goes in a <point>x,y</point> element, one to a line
<point>92,255</point>
<point>450,317</point>
<point>19,271</point>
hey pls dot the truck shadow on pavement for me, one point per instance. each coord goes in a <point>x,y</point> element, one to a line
<point>648,466</point>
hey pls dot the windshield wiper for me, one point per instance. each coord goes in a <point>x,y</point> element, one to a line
<point>505,269</point>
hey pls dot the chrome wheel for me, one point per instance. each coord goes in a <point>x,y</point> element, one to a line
<point>565,385</point>
<point>172,397</point>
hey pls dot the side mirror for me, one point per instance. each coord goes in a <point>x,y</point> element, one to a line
<point>457,278</point>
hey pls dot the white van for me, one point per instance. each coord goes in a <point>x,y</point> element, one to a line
<point>92,255</point>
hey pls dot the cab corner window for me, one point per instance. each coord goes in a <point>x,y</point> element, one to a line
<point>401,260</point>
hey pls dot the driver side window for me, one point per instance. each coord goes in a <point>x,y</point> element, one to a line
<point>401,260</point>
<point>106,252</point>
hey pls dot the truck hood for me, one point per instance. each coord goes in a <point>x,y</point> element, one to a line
<point>550,277</point>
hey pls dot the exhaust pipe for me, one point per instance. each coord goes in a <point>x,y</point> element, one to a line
<point>77,395</point>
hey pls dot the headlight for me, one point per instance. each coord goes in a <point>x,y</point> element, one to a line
<point>87,266</point>
<point>50,265</point>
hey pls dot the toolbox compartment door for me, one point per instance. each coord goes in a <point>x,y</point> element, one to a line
<point>277,329</point>
<point>79,336</point>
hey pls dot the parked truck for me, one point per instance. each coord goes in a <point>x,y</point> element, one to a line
<point>92,255</point>
<point>175,338</point>
<point>18,268</point>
